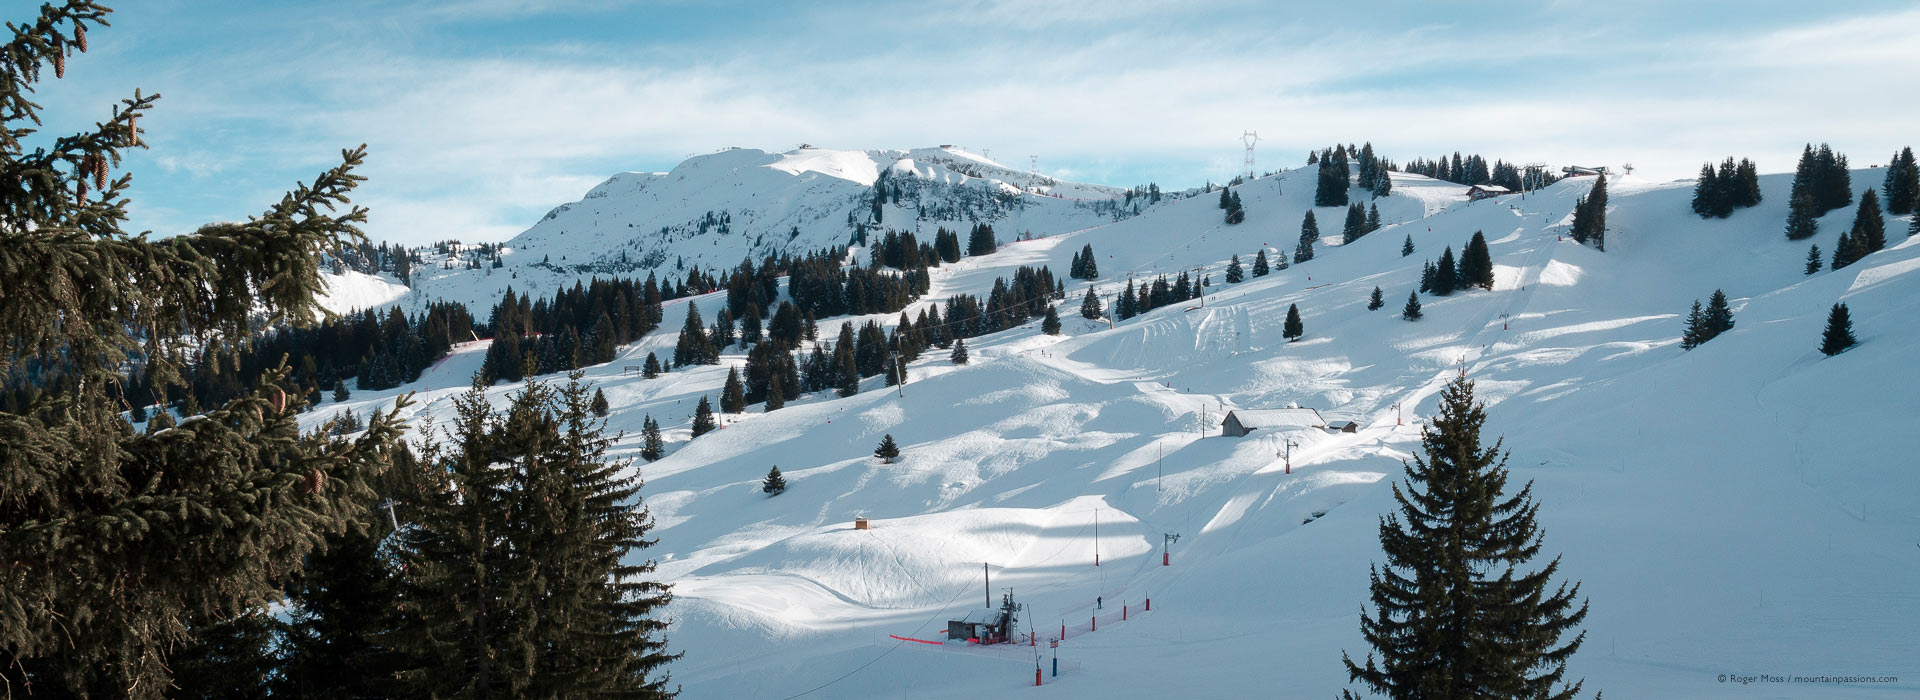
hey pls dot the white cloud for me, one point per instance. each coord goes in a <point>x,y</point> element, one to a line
<point>474,144</point>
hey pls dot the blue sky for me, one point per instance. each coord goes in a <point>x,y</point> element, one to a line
<point>482,115</point>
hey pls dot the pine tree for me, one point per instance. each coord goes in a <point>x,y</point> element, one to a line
<point>1303,252</point>
<point>1376,301</point>
<point>1236,213</point>
<point>1476,263</point>
<point>1309,229</point>
<point>1355,225</point>
<point>1051,324</point>
<point>980,241</point>
<point>229,659</point>
<point>1835,182</point>
<point>703,417</point>
<point>1847,251</point>
<point>776,394</point>
<point>1707,192</point>
<point>1719,316</point>
<point>1590,215</point>
<point>1801,224</point>
<point>1446,276</point>
<point>1406,248</point>
<point>92,538</point>
<point>517,577</point>
<point>695,346</point>
<point>1456,611</point>
<point>733,394</point>
<point>774,484</point>
<point>1747,185</point>
<point>652,367</point>
<point>341,610</point>
<point>1260,263</point>
<point>1902,183</point>
<point>1090,305</point>
<point>1330,188</point>
<point>959,355</point>
<point>340,390</point>
<point>887,451</point>
<point>1089,268</point>
<point>1373,216</point>
<point>1805,176</point>
<point>1382,186</point>
<point>846,369</point>
<point>1726,194</point>
<point>1696,327</point>
<point>1813,259</point>
<point>1839,334</point>
<point>652,446</point>
<point>600,407</point>
<point>1292,329</point>
<point>1869,229</point>
<point>1411,311</point>
<point>1234,274</point>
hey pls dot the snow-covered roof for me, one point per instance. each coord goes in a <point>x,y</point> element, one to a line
<point>1491,188</point>
<point>1278,418</point>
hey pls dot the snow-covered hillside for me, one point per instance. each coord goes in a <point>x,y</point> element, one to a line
<point>1744,508</point>
<point>715,210</point>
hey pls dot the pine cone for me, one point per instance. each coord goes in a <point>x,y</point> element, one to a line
<point>59,59</point>
<point>80,36</point>
<point>280,400</point>
<point>133,129</point>
<point>315,481</point>
<point>100,173</point>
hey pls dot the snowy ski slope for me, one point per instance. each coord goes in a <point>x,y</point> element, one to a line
<point>1744,508</point>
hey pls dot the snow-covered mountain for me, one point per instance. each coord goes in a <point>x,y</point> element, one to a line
<point>1744,508</point>
<point>715,210</point>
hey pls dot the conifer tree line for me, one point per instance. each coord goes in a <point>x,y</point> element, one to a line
<point>1084,266</point>
<point>1474,170</point>
<point>1821,183</point>
<point>1334,178</point>
<point>578,326</point>
<point>1705,325</point>
<point>980,240</point>
<point>1473,269</point>
<point>1361,220</point>
<point>1732,186</point>
<point>781,368</point>
<point>374,258</point>
<point>506,578</point>
<point>1374,172</point>
<point>118,548</point>
<point>1139,299</point>
<point>380,351</point>
<point>1590,215</point>
<point>1458,610</point>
